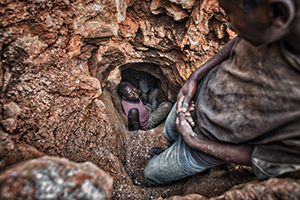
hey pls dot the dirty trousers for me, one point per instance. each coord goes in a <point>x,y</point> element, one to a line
<point>174,163</point>
<point>158,115</point>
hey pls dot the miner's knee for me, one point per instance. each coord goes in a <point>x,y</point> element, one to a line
<point>133,114</point>
<point>167,105</point>
<point>147,176</point>
<point>133,119</point>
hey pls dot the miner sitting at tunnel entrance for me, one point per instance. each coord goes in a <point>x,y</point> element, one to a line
<point>142,116</point>
<point>247,100</point>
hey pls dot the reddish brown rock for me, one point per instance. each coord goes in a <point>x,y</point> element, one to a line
<point>9,125</point>
<point>171,9</point>
<point>128,28</point>
<point>61,62</point>
<point>55,178</point>
<point>6,143</point>
<point>186,4</point>
<point>187,197</point>
<point>218,180</point>
<point>11,110</point>
<point>273,188</point>
<point>12,153</point>
<point>6,79</point>
<point>1,69</point>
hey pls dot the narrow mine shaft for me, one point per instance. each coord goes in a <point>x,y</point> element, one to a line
<point>136,72</point>
<point>135,145</point>
<point>150,73</point>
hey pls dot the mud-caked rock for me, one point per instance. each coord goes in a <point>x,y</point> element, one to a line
<point>11,110</point>
<point>273,188</point>
<point>55,178</point>
<point>12,153</point>
<point>9,125</point>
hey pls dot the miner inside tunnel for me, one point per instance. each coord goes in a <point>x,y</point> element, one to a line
<point>140,92</point>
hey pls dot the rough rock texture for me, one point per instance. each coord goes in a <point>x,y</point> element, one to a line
<point>274,188</point>
<point>12,152</point>
<point>61,62</point>
<point>55,178</point>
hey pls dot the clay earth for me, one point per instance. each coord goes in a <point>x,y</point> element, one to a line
<point>61,114</point>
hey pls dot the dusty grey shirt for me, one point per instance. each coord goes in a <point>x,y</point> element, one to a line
<point>253,97</point>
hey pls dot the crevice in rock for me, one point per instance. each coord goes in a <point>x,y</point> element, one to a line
<point>217,31</point>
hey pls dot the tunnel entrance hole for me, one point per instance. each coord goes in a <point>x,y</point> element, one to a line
<point>144,82</point>
<point>134,73</point>
<point>133,146</point>
<point>146,77</point>
<point>151,72</point>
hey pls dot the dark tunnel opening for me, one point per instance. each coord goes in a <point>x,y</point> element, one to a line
<point>143,81</point>
<point>147,78</point>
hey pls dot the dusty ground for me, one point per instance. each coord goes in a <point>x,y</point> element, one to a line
<point>209,184</point>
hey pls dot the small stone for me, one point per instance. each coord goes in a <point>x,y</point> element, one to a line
<point>6,78</point>
<point>5,144</point>
<point>3,135</point>
<point>9,125</point>
<point>11,110</point>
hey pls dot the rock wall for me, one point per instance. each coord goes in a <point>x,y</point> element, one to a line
<point>55,178</point>
<point>61,62</point>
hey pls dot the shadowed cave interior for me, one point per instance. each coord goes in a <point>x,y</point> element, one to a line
<point>133,73</point>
